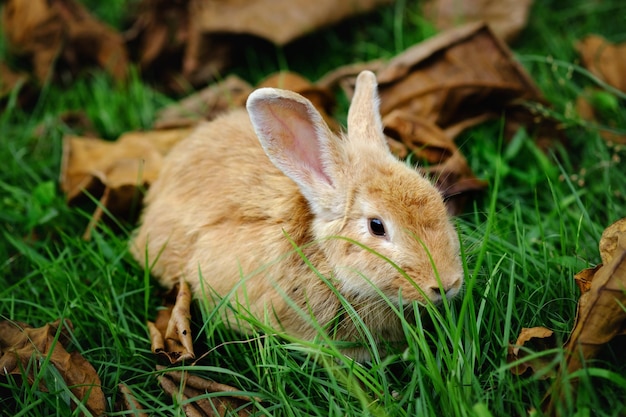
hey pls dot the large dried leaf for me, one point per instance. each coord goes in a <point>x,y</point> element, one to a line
<point>507,18</point>
<point>21,343</point>
<point>170,333</point>
<point>190,42</point>
<point>460,75</point>
<point>47,30</point>
<point>114,172</point>
<point>605,60</point>
<point>279,21</point>
<point>601,311</point>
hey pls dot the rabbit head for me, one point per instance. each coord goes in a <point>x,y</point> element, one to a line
<point>381,226</point>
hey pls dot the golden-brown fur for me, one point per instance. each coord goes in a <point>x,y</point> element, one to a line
<point>226,213</point>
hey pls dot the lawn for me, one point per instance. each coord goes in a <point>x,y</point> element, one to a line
<point>536,225</point>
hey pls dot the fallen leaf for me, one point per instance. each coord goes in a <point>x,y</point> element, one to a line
<point>601,312</point>
<point>170,333</point>
<point>232,92</point>
<point>462,74</point>
<point>610,240</point>
<point>608,122</point>
<point>506,18</point>
<point>20,343</point>
<point>605,60</point>
<point>205,104</point>
<point>535,339</point>
<point>11,80</point>
<point>279,21</point>
<point>190,42</point>
<point>584,278</point>
<point>114,172</point>
<point>129,402</point>
<point>47,30</point>
<point>194,386</point>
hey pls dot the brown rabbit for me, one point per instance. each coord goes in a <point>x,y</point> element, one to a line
<point>248,201</point>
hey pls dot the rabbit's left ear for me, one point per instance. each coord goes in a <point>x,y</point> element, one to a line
<point>296,139</point>
<point>364,122</point>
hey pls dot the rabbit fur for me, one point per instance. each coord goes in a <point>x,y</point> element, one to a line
<point>237,200</point>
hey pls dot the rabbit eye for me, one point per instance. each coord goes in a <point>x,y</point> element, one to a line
<point>377,227</point>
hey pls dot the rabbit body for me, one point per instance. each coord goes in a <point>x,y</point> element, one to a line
<point>238,200</point>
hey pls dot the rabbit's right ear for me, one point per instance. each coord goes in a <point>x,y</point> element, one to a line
<point>297,140</point>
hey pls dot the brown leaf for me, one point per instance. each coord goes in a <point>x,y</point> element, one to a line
<point>605,60</point>
<point>19,343</point>
<point>537,339</point>
<point>170,334</point>
<point>584,278</point>
<point>206,33</point>
<point>610,240</point>
<point>129,402</point>
<point>206,104</point>
<point>194,386</point>
<point>601,315</point>
<point>456,76</point>
<point>10,80</point>
<point>46,30</point>
<point>114,172</point>
<point>607,123</point>
<point>506,18</point>
<point>279,21</point>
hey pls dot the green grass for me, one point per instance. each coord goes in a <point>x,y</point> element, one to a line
<point>523,240</point>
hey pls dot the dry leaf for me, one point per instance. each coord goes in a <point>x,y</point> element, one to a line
<point>537,339</point>
<point>129,402</point>
<point>47,30</point>
<point>506,18</point>
<point>232,92</point>
<point>605,60</point>
<point>601,315</point>
<point>601,312</point>
<point>191,42</point>
<point>444,85</point>
<point>20,343</point>
<point>206,104</point>
<point>194,386</point>
<point>584,278</point>
<point>114,172</point>
<point>608,123</point>
<point>460,75</point>
<point>279,21</point>
<point>170,334</point>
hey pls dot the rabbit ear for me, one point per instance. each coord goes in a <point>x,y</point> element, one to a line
<point>296,139</point>
<point>364,122</point>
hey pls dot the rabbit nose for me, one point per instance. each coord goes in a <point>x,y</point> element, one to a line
<point>449,291</point>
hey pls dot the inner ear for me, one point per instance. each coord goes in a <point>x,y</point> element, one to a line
<point>295,138</point>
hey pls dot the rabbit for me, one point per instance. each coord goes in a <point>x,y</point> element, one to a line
<point>273,211</point>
